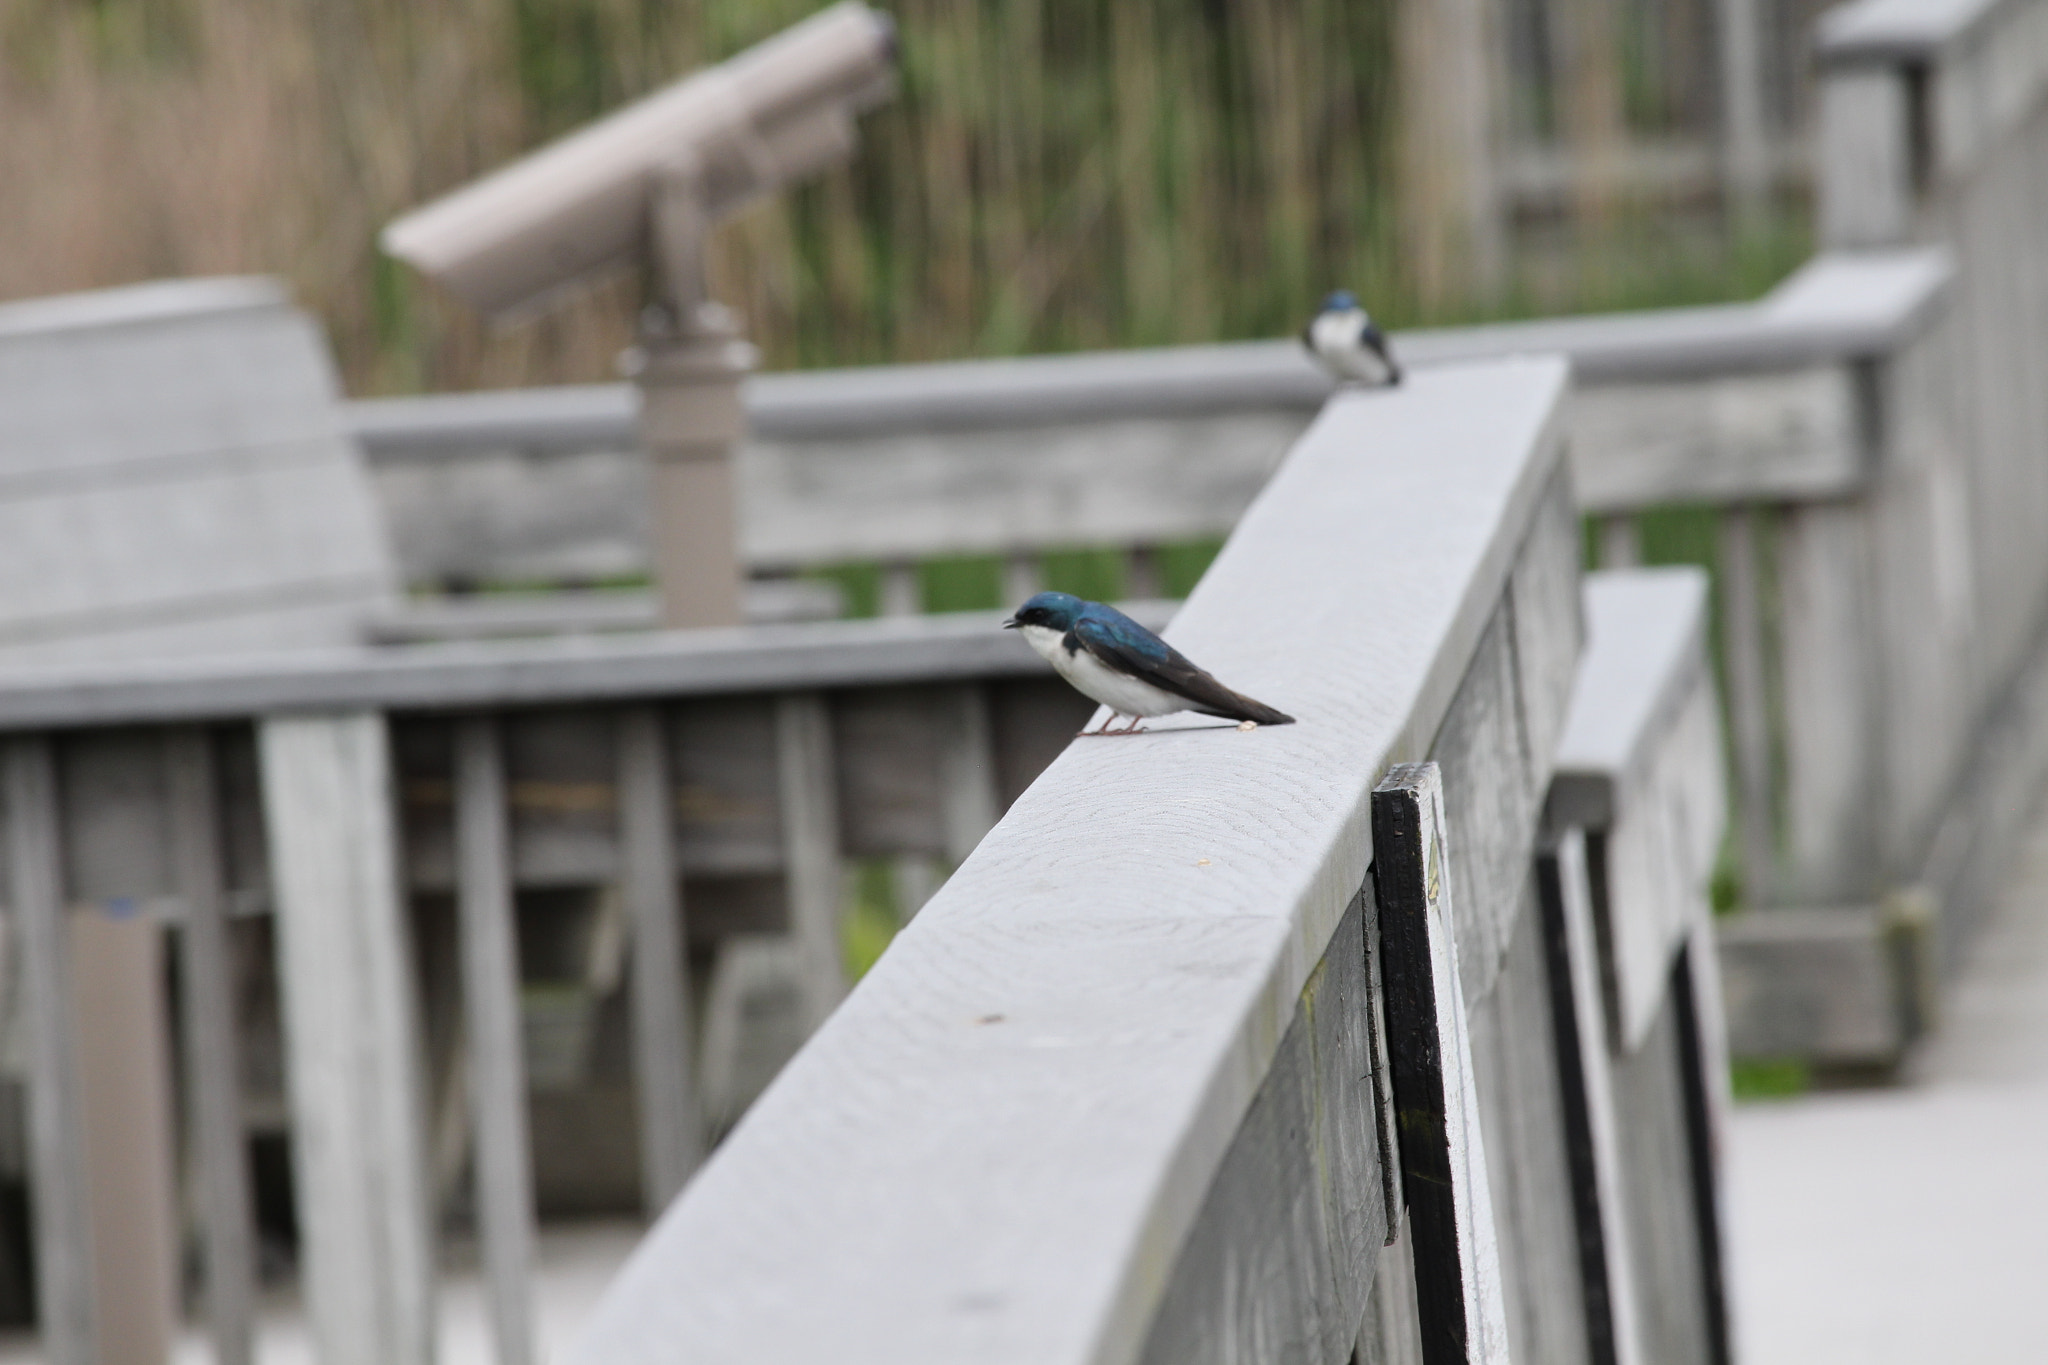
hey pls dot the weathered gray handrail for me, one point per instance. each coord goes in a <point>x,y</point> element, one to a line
<point>692,663</point>
<point>1134,449</point>
<point>1838,309</point>
<point>1006,1144</point>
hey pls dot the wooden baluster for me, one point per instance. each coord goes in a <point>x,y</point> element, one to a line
<point>1620,543</point>
<point>497,1062</point>
<point>969,802</point>
<point>1142,581</point>
<point>810,841</point>
<point>1607,1262</point>
<point>1443,1151</point>
<point>351,1037</point>
<point>671,1131</point>
<point>56,1129</point>
<point>1021,579</point>
<point>212,1044</point>
<point>902,590</point>
<point>1749,733</point>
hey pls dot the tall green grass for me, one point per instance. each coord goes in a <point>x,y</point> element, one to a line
<point>1054,174</point>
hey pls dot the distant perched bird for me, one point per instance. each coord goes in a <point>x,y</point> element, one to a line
<point>1349,344</point>
<point>1113,660</point>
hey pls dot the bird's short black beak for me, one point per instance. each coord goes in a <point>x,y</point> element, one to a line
<point>1012,623</point>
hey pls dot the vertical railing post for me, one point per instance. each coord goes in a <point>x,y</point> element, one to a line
<point>1459,1285</point>
<point>1749,716</point>
<point>212,1044</point>
<point>671,1131</point>
<point>497,1062</point>
<point>810,840</point>
<point>351,1038</point>
<point>64,1288</point>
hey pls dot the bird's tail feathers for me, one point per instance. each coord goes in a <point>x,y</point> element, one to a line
<point>1244,708</point>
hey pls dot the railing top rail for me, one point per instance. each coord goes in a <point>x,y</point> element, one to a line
<point>995,1147</point>
<point>1902,31</point>
<point>1643,650</point>
<point>178,300</point>
<point>528,672</point>
<point>1840,306</point>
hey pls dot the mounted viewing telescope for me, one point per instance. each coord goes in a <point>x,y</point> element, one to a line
<point>720,139</point>
<point>646,186</point>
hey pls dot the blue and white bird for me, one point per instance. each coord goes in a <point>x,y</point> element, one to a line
<point>1112,659</point>
<point>1347,343</point>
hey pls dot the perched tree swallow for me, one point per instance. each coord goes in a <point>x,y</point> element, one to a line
<point>1112,659</point>
<point>1348,344</point>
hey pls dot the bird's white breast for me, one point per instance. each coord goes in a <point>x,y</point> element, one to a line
<point>1120,692</point>
<point>1335,338</point>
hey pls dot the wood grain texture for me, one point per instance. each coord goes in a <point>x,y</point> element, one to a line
<point>496,1035</point>
<point>1283,1252</point>
<point>1068,1036</point>
<point>1458,1275</point>
<point>352,1040</point>
<point>213,1050</point>
<point>63,1255</point>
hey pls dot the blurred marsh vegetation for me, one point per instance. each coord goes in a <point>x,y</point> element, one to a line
<point>1055,174</point>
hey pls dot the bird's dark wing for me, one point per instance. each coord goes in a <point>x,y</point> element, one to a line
<point>1373,339</point>
<point>1128,647</point>
<point>1308,335</point>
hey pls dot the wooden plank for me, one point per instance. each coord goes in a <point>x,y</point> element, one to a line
<point>810,841</point>
<point>173,483</point>
<point>1742,650</point>
<point>64,1256</point>
<point>671,1131</point>
<point>1065,1043</point>
<point>1516,1079</point>
<point>1619,541</point>
<point>902,592</point>
<point>969,800</point>
<point>1392,1332</point>
<point>213,1052</point>
<point>1703,1054</point>
<point>1491,792</point>
<point>122,1027</point>
<point>887,744</point>
<point>1282,1255</point>
<point>1813,983</point>
<point>1661,1196</point>
<point>1716,438</point>
<point>1866,173</point>
<point>948,647</point>
<point>1639,765</point>
<point>496,1035</point>
<point>359,1160</point>
<point>1606,1259</point>
<point>1458,1276</point>
<point>1832,736</point>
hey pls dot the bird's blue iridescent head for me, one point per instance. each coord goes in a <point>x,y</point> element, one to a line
<point>1340,301</point>
<point>1053,610</point>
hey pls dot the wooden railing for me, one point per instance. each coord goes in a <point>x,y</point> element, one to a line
<point>1134,1046</point>
<point>1234,1046</point>
<point>707,788</point>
